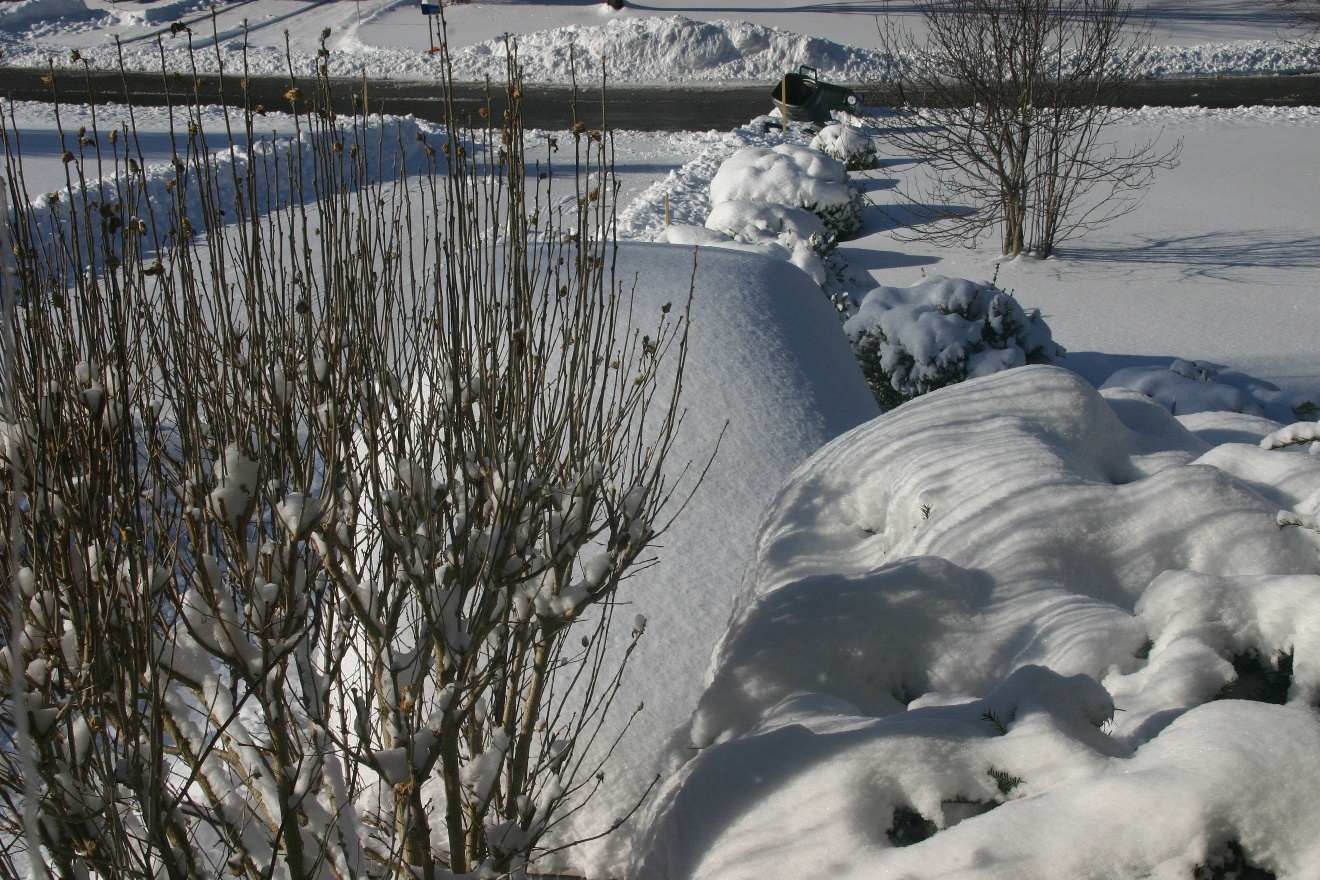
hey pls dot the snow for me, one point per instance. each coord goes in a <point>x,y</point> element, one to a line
<point>912,340</point>
<point>793,175</point>
<point>978,581</point>
<point>848,144</point>
<point>655,43</point>
<point>1001,612</point>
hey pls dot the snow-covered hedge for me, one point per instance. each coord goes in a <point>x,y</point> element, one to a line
<point>1015,629</point>
<point>852,147</point>
<point>793,175</point>
<point>911,340</point>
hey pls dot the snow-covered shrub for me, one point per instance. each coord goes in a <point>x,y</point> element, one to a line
<point>793,175</point>
<point>911,340</point>
<point>797,230</point>
<point>943,610</point>
<point>1189,387</point>
<point>314,548</point>
<point>854,148</point>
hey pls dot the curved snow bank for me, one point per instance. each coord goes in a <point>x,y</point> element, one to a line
<point>286,159</point>
<point>768,367</point>
<point>26,13</point>
<point>943,611</point>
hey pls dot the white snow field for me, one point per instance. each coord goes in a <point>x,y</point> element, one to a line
<point>990,625</point>
<point>655,42</point>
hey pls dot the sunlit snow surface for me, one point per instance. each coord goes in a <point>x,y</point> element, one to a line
<point>660,42</point>
<point>1016,556</point>
<point>1015,578</point>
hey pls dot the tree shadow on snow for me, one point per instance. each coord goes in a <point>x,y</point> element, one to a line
<point>871,259</point>
<point>1209,254</point>
<point>876,184</point>
<point>884,218</point>
<point>1097,366</point>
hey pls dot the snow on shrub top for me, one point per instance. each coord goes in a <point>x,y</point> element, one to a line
<point>852,147</point>
<point>797,230</point>
<point>701,236</point>
<point>765,221</point>
<point>794,175</point>
<point>912,340</point>
<point>942,608</point>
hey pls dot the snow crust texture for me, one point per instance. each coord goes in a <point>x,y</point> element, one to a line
<point>1014,628</point>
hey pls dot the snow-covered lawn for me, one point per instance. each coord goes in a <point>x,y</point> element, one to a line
<point>983,635</point>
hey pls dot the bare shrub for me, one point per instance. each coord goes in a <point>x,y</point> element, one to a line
<point>1007,102</point>
<point>323,475</point>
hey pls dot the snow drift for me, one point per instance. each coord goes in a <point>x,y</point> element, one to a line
<point>983,636</point>
<point>768,369</point>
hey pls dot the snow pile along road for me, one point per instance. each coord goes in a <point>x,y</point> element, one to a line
<point>387,39</point>
<point>1015,628</point>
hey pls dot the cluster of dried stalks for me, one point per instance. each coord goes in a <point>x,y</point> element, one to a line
<point>320,480</point>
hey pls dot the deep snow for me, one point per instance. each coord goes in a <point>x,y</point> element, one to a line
<point>972,553</point>
<point>1013,598</point>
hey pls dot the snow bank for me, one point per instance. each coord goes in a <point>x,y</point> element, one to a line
<point>16,17</point>
<point>982,636</point>
<point>767,360</point>
<point>383,142</point>
<point>636,47</point>
<point>661,49</point>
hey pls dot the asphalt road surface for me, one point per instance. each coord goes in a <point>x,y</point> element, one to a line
<point>649,108</point>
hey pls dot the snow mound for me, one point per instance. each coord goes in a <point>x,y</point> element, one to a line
<point>851,146</point>
<point>151,189</point>
<point>1190,387</point>
<point>683,196</point>
<point>983,637</point>
<point>1258,57</point>
<point>798,231</point>
<point>28,13</point>
<point>793,175</point>
<point>663,49</point>
<point>638,47</point>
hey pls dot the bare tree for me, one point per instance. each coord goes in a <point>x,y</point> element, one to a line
<point>1302,14</point>
<point>1008,102</point>
<point>324,470</point>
